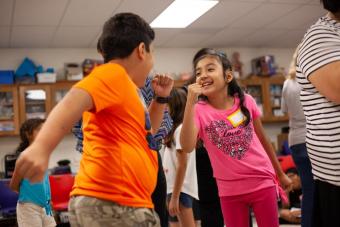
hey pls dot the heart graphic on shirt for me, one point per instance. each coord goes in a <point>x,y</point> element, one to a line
<point>232,141</point>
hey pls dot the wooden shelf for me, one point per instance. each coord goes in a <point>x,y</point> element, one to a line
<point>7,104</point>
<point>30,103</point>
<point>13,103</point>
<point>264,85</point>
<point>6,118</point>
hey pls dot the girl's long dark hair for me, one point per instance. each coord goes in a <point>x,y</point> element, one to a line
<point>233,87</point>
<point>178,99</point>
<point>26,130</point>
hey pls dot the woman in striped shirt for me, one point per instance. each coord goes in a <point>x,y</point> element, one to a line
<point>318,73</point>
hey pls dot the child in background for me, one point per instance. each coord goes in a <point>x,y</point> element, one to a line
<point>33,208</point>
<point>179,168</point>
<point>290,213</point>
<point>228,122</point>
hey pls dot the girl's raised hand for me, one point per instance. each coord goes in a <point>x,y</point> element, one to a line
<point>194,90</point>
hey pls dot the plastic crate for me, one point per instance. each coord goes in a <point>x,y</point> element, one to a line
<point>46,77</point>
<point>6,76</point>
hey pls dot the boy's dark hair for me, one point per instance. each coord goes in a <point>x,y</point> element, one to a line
<point>122,33</point>
<point>99,48</point>
<point>26,130</point>
<point>178,99</point>
<point>233,87</point>
<point>331,5</point>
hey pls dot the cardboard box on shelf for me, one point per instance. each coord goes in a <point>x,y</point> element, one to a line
<point>73,71</point>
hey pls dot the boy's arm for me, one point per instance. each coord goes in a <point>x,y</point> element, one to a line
<point>182,158</point>
<point>33,162</point>
<point>162,86</point>
<point>284,179</point>
<point>15,181</point>
<point>156,111</point>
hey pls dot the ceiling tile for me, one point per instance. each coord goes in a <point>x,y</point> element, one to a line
<point>75,37</point>
<point>95,40</point>
<point>244,0</point>
<point>227,37</point>
<point>78,23</point>
<point>187,40</point>
<point>261,37</point>
<point>299,18</point>
<point>89,12</point>
<point>289,39</point>
<point>38,12</point>
<point>31,36</point>
<point>223,14</point>
<point>314,2</point>
<point>4,37</point>
<point>6,8</point>
<point>290,1</point>
<point>163,35</point>
<point>148,9</point>
<point>256,18</point>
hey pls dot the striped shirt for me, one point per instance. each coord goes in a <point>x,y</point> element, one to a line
<point>319,47</point>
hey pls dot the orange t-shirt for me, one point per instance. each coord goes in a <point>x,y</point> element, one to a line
<point>117,163</point>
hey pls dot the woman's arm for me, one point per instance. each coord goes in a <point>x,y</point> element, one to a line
<point>284,179</point>
<point>182,159</point>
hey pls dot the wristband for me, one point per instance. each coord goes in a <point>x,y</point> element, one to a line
<point>162,100</point>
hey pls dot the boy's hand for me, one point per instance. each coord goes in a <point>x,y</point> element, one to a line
<point>32,163</point>
<point>162,85</point>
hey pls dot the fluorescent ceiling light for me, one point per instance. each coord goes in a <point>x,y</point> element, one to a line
<point>181,13</point>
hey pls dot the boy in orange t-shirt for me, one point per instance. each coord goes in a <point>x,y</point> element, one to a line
<point>118,169</point>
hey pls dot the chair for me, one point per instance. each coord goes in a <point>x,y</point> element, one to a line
<point>10,165</point>
<point>286,162</point>
<point>8,199</point>
<point>61,186</point>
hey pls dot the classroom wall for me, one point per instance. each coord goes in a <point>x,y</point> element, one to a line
<point>173,60</point>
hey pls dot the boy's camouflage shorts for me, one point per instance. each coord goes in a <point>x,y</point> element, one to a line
<point>91,212</point>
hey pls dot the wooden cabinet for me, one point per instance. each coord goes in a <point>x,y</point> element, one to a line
<point>35,101</point>
<point>9,110</point>
<point>21,102</point>
<point>59,90</point>
<point>267,92</point>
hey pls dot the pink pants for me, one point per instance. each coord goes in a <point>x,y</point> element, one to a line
<point>235,209</point>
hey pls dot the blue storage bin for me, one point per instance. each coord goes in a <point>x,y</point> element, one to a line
<point>6,76</point>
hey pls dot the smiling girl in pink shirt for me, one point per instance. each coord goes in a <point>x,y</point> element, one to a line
<point>228,122</point>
